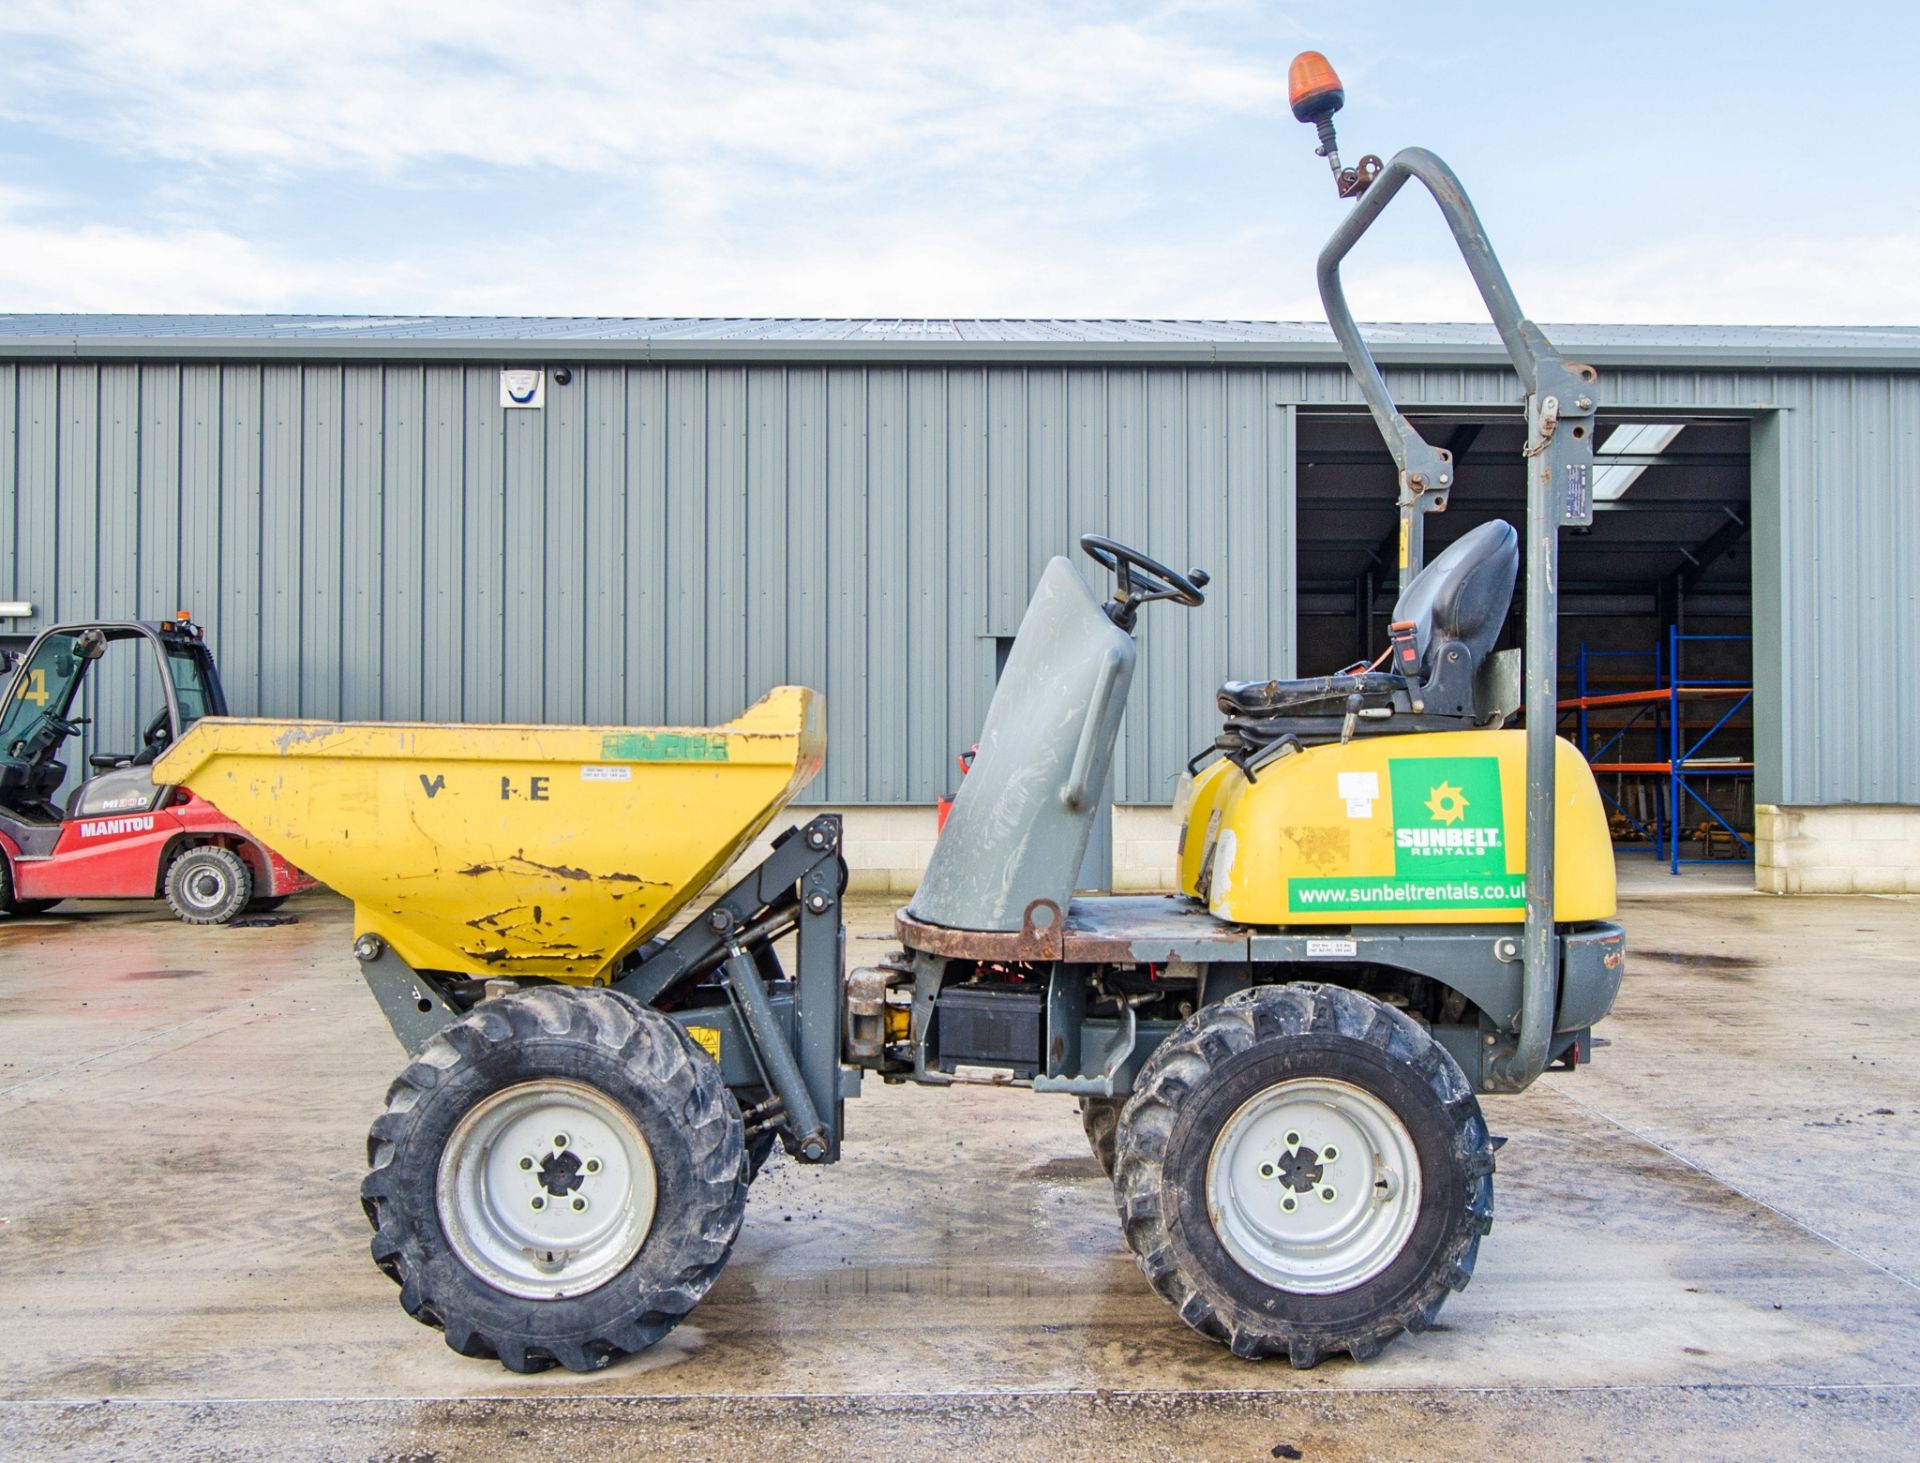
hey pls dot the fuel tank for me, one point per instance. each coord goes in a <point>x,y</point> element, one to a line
<point>1423,829</point>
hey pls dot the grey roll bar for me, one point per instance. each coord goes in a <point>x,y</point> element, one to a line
<point>1561,399</point>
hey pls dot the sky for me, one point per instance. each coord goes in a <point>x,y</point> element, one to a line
<point>1748,163</point>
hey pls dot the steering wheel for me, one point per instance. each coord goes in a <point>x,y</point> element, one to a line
<point>1142,580</point>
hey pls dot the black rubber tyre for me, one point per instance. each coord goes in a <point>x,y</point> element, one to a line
<point>268,905</point>
<point>1100,1116</point>
<point>630,1055</point>
<point>1218,1060</point>
<point>208,885</point>
<point>10,905</point>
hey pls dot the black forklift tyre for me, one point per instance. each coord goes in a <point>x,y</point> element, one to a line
<point>605,1054</point>
<point>208,885</point>
<point>1175,1153</point>
<point>22,907</point>
<point>1100,1116</point>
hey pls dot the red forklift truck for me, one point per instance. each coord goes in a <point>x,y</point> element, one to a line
<point>118,835</point>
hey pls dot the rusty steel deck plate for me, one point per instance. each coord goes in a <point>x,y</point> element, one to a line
<point>1116,929</point>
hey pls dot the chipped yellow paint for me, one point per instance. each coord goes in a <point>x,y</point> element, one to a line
<point>506,850</point>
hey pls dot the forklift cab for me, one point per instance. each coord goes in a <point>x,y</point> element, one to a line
<point>36,719</point>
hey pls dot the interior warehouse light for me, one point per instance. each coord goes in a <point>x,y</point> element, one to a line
<point>1629,439</point>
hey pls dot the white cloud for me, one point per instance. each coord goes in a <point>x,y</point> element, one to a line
<point>781,157</point>
<point>1701,279</point>
<point>100,267</point>
<point>829,89</point>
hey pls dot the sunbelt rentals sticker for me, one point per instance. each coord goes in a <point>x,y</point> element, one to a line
<point>1449,845</point>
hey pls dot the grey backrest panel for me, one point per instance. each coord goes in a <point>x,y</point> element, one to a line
<point>1020,823</point>
<point>1465,592</point>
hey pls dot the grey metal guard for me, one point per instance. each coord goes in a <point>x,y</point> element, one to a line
<point>1561,400</point>
<point>1013,843</point>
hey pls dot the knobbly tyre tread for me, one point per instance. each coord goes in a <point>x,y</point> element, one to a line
<point>1182,1066</point>
<point>1100,1116</point>
<point>237,871</point>
<point>703,1188</point>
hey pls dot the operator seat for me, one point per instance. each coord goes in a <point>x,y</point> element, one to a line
<point>1445,624</point>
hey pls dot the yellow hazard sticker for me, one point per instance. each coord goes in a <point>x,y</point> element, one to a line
<point>707,1038</point>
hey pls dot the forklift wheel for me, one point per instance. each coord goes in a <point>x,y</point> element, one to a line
<point>208,885</point>
<point>558,1178</point>
<point>1100,1116</point>
<point>22,907</point>
<point>1302,1171</point>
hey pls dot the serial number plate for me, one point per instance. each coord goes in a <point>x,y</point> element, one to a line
<point>1332,948</point>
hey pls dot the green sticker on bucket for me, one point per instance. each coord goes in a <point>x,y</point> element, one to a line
<point>663,747</point>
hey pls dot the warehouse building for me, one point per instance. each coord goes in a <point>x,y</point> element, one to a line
<point>647,521</point>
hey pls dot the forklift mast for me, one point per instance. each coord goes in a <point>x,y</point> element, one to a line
<point>36,715</point>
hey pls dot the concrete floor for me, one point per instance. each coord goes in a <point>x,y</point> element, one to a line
<point>1705,1244</point>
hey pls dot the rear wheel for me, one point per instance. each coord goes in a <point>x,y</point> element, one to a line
<point>208,885</point>
<point>1303,1171</point>
<point>558,1178</point>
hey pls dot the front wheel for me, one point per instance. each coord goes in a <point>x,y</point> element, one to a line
<point>558,1178</point>
<point>208,885</point>
<point>9,904</point>
<point>1303,1171</point>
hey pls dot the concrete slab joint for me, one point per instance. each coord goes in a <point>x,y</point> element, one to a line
<point>1843,849</point>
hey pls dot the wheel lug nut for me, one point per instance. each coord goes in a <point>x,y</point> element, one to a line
<point>539,1201</point>
<point>579,1204</point>
<point>1266,1170</point>
<point>1293,1140</point>
<point>526,1164</point>
<point>1329,1153</point>
<point>1287,1203</point>
<point>1327,1194</point>
<point>593,1165</point>
<point>559,1142</point>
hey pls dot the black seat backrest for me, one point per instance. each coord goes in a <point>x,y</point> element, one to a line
<point>1462,597</point>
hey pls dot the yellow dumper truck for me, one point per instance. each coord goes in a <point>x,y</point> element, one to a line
<point>1389,904</point>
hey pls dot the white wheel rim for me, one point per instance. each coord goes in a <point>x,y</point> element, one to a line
<point>206,887</point>
<point>1303,1218</point>
<point>546,1189</point>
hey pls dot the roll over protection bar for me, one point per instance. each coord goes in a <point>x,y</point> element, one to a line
<point>1561,399</point>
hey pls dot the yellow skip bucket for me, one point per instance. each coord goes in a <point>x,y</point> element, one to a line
<point>508,850</point>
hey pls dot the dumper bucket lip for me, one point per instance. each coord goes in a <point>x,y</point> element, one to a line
<point>508,849</point>
<point>762,728</point>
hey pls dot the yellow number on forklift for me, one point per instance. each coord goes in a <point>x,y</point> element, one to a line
<point>34,687</point>
<point>707,1038</point>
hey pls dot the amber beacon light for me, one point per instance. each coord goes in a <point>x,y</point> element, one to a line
<point>1314,91</point>
<point>1315,94</point>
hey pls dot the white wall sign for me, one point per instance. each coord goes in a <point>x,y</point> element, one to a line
<point>522,388</point>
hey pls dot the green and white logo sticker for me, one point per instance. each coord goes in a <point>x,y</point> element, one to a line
<point>1449,844</point>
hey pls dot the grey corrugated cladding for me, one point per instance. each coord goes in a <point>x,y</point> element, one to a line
<point>375,537</point>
